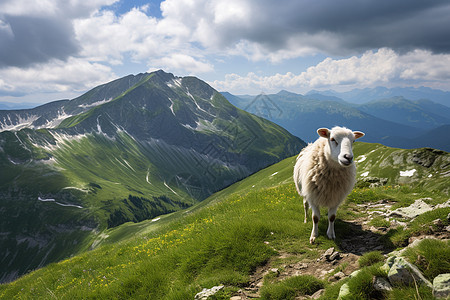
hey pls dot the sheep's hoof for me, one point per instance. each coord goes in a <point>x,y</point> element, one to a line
<point>312,239</point>
<point>305,221</point>
<point>331,236</point>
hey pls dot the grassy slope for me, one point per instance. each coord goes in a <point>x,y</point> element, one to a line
<point>219,241</point>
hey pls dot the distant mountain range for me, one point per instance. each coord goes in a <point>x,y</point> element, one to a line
<point>361,96</point>
<point>395,122</point>
<point>125,151</point>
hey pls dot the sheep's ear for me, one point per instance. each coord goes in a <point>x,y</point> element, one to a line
<point>358,134</point>
<point>323,132</point>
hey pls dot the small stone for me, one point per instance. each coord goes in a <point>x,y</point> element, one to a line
<point>275,270</point>
<point>334,256</point>
<point>301,266</point>
<point>354,273</point>
<point>205,293</point>
<point>339,275</point>
<point>381,285</point>
<point>438,222</point>
<point>328,253</point>
<point>318,294</point>
<point>441,286</point>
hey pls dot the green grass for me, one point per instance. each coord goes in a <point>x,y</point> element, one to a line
<point>431,257</point>
<point>370,258</point>
<point>291,287</point>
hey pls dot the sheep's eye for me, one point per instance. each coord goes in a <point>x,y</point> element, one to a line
<point>333,140</point>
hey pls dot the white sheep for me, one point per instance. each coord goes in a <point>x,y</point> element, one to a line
<point>325,174</point>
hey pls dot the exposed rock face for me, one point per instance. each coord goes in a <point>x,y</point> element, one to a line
<point>425,156</point>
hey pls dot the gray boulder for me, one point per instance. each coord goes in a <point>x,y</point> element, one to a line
<point>403,272</point>
<point>441,286</point>
<point>381,285</point>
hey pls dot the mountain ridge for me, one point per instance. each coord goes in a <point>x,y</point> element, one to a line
<point>125,151</point>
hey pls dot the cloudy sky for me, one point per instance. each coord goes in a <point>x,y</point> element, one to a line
<point>55,49</point>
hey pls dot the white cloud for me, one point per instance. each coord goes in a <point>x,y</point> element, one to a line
<point>74,75</point>
<point>373,68</point>
<point>178,62</point>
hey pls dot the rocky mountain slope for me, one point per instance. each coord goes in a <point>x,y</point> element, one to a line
<point>249,241</point>
<point>128,150</point>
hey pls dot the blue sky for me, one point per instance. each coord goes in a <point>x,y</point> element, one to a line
<point>58,49</point>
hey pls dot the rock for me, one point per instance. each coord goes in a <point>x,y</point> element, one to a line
<point>353,274</point>
<point>336,277</point>
<point>205,293</point>
<point>381,285</point>
<point>328,253</point>
<point>334,256</point>
<point>300,266</point>
<point>318,294</point>
<point>417,208</point>
<point>444,205</point>
<point>344,292</point>
<point>441,286</point>
<point>275,270</point>
<point>404,273</point>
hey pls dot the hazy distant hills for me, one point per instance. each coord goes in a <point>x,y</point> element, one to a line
<point>361,96</point>
<point>129,150</point>
<point>395,121</point>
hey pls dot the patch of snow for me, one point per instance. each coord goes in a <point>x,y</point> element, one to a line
<point>8,124</point>
<point>95,103</point>
<point>274,174</point>
<point>129,165</point>
<point>147,177</point>
<point>76,188</point>
<point>156,219</point>
<point>170,188</point>
<point>99,128</point>
<point>365,174</point>
<point>171,106</point>
<point>56,121</point>
<point>431,175</point>
<point>361,158</point>
<point>61,204</point>
<point>408,173</point>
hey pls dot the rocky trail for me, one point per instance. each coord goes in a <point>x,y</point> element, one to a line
<point>336,264</point>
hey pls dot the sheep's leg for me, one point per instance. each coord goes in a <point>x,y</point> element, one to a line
<point>331,217</point>
<point>306,207</point>
<point>315,217</point>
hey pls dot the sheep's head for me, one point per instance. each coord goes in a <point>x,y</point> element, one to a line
<point>340,140</point>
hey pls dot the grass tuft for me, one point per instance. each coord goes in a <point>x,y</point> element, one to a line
<point>370,258</point>
<point>291,287</point>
